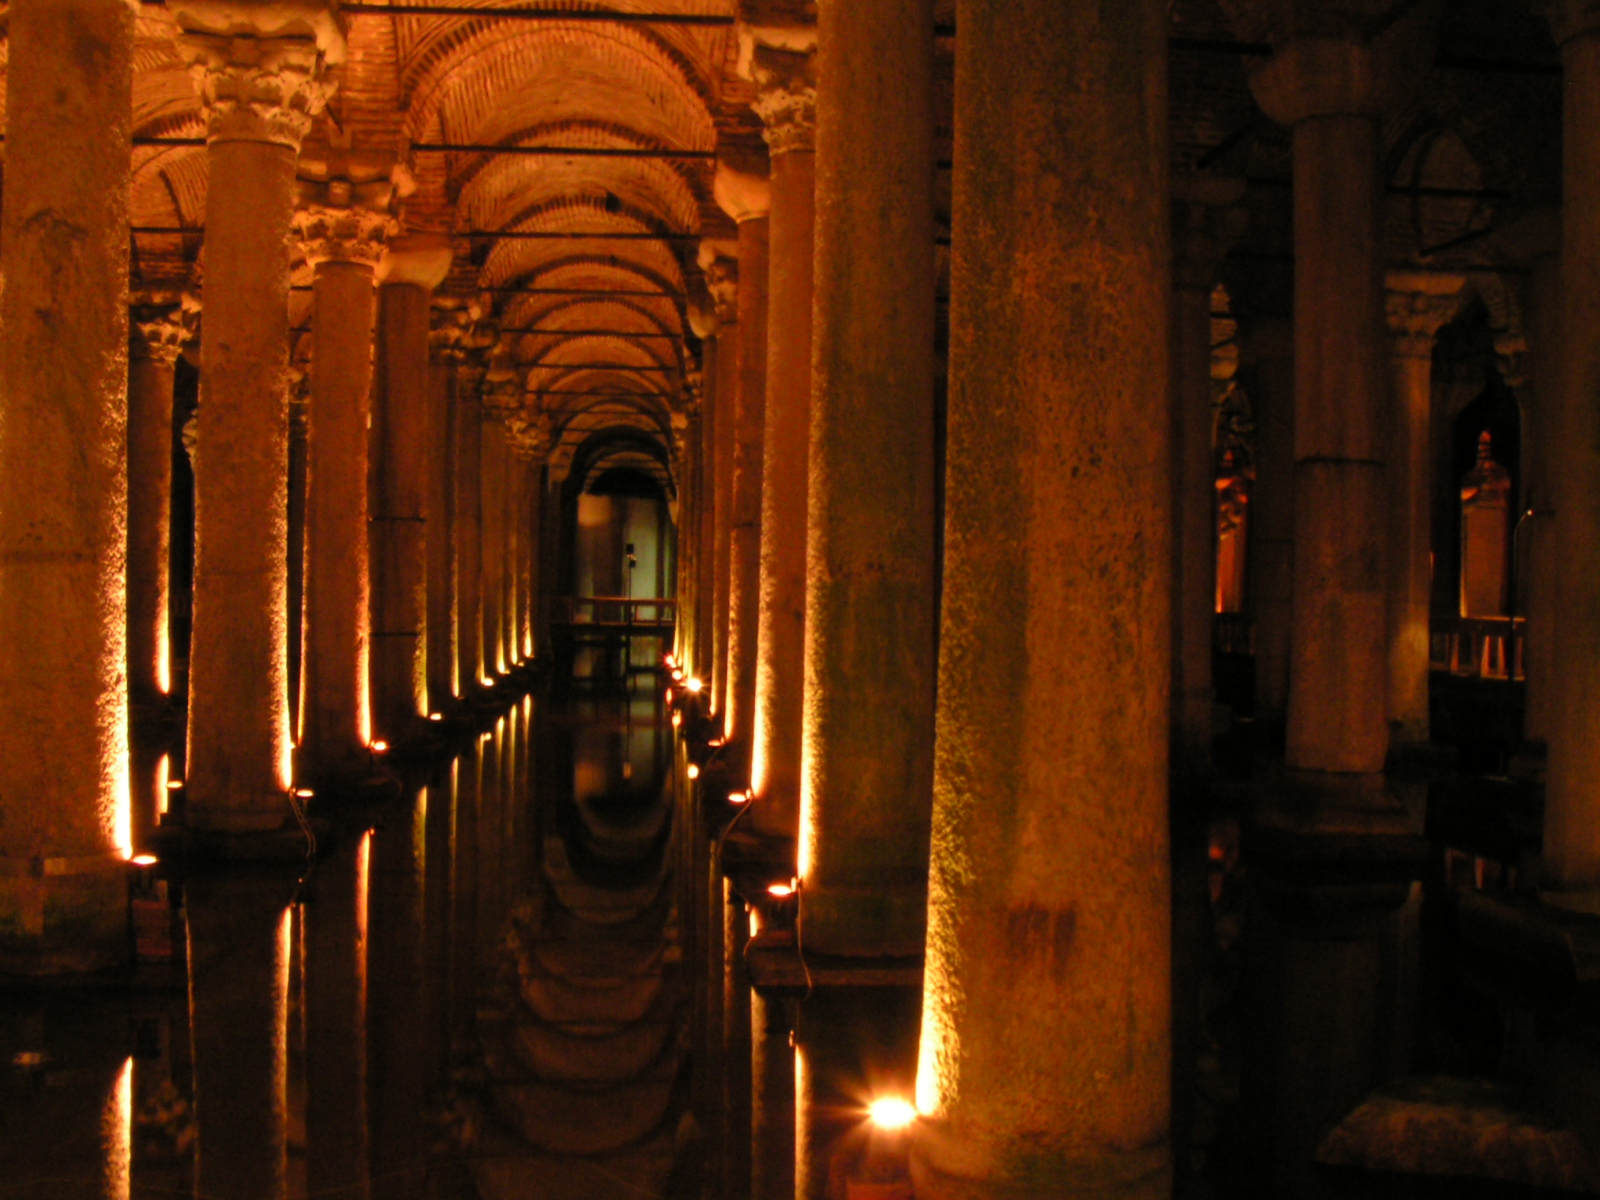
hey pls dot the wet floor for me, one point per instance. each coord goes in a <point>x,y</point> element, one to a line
<point>482,996</point>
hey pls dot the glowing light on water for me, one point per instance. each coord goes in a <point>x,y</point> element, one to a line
<point>116,1132</point>
<point>891,1113</point>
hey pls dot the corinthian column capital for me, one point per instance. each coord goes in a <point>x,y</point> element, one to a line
<point>333,232</point>
<point>161,324</point>
<point>1417,306</point>
<point>260,65</point>
<point>786,97</point>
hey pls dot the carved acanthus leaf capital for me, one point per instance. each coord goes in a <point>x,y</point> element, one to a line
<point>722,281</point>
<point>261,69</point>
<point>786,98</point>
<point>1417,306</point>
<point>161,324</point>
<point>351,232</point>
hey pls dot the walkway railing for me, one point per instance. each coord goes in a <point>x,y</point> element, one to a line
<point>620,612</point>
<point>1479,647</point>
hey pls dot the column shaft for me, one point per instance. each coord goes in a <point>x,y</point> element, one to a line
<point>704,650</point>
<point>493,543</point>
<point>1572,798</point>
<point>1338,664</point>
<point>440,654</point>
<point>335,722</point>
<point>63,483</point>
<point>780,654</point>
<point>399,507</point>
<point>744,554</point>
<point>470,657</point>
<point>870,597</point>
<point>1049,885</point>
<point>727,396</point>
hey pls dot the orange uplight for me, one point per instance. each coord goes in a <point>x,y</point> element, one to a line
<point>738,797</point>
<point>143,860</point>
<point>304,793</point>
<point>694,685</point>
<point>677,719</point>
<point>891,1113</point>
<point>435,716</point>
<point>694,771</point>
<point>780,890</point>
<point>380,746</point>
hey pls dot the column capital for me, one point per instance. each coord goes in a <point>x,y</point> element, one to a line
<point>419,259</point>
<point>529,435</point>
<point>786,96</point>
<point>1207,220</point>
<point>1417,306</point>
<point>161,324</point>
<point>1570,18</point>
<point>721,271</point>
<point>502,391</point>
<point>333,232</point>
<point>345,202</point>
<point>744,195</point>
<point>260,65</point>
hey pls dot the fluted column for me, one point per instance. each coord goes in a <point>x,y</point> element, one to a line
<point>342,229</point>
<point>1572,795</point>
<point>260,87</point>
<point>63,485</point>
<point>411,268</point>
<point>787,105</point>
<point>722,277</point>
<point>1044,1053</point>
<point>869,655</point>
<point>162,325</point>
<point>1418,307</point>
<point>471,660</point>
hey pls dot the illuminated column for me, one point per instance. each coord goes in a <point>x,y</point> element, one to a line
<point>492,535</point>
<point>1044,1065</point>
<point>471,660</point>
<point>334,905</point>
<point>260,87</point>
<point>442,626</point>
<point>238,1015</point>
<point>162,326</point>
<point>722,277</point>
<point>736,1045</point>
<point>746,198</point>
<point>1207,220</point>
<point>787,105</point>
<point>63,486</point>
<point>869,654</point>
<point>516,489</point>
<point>412,267</point>
<point>1572,796</point>
<point>706,466</point>
<point>342,242</point>
<point>1418,307</point>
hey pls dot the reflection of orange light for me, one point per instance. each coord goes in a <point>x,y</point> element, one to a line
<point>669,695</point>
<point>435,716</point>
<point>738,797</point>
<point>304,793</point>
<point>694,685</point>
<point>143,860</point>
<point>891,1113</point>
<point>694,771</point>
<point>780,890</point>
<point>380,746</point>
<point>677,719</point>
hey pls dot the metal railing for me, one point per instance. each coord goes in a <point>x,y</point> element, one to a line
<point>1479,647</point>
<point>619,612</point>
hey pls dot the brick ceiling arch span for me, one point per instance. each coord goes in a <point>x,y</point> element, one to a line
<point>512,259</point>
<point>566,316</point>
<point>586,272</point>
<point>581,455</point>
<point>555,357</point>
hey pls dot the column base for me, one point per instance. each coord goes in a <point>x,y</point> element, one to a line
<point>57,923</point>
<point>1141,1174</point>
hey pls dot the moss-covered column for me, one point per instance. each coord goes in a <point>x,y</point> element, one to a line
<point>63,486</point>
<point>1044,1053</point>
<point>260,86</point>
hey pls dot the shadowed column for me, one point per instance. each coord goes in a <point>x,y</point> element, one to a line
<point>471,661</point>
<point>63,486</point>
<point>722,277</point>
<point>1044,1065</point>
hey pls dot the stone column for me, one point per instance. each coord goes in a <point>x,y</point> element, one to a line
<point>471,660</point>
<point>869,652</point>
<point>492,543</point>
<point>335,949</point>
<point>412,267</point>
<point>787,105</point>
<point>260,85</point>
<point>1572,796</point>
<point>746,198</point>
<point>162,326</point>
<point>1418,307</point>
<point>722,277</point>
<point>63,486</point>
<point>342,242</point>
<point>1206,221</point>
<point>440,653</point>
<point>516,489</point>
<point>1269,344</point>
<point>704,651</point>
<point>1044,1053</point>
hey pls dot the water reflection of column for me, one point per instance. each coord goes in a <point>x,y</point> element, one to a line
<point>441,636</point>
<point>492,543</point>
<point>239,997</point>
<point>470,659</point>
<point>395,1071</point>
<point>491,839</point>
<point>711,966</point>
<point>438,926</point>
<point>771,1099</point>
<point>335,908</point>
<point>736,1043</point>
<point>464,914</point>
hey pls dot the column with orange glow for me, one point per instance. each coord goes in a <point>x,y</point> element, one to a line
<point>722,277</point>
<point>499,391</point>
<point>470,659</point>
<point>260,86</point>
<point>702,653</point>
<point>1044,1052</point>
<point>63,486</point>
<point>442,626</point>
<point>342,241</point>
<point>787,105</point>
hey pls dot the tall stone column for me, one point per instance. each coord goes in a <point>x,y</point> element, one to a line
<point>1048,888</point>
<point>412,267</point>
<point>342,242</point>
<point>722,277</point>
<point>440,653</point>
<point>1207,220</point>
<point>162,326</point>
<point>1268,344</point>
<point>787,105</point>
<point>869,650</point>
<point>492,545</point>
<point>63,486</point>
<point>1418,307</point>
<point>471,660</point>
<point>1572,795</point>
<point>516,489</point>
<point>704,652</point>
<point>260,86</point>
<point>746,198</point>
